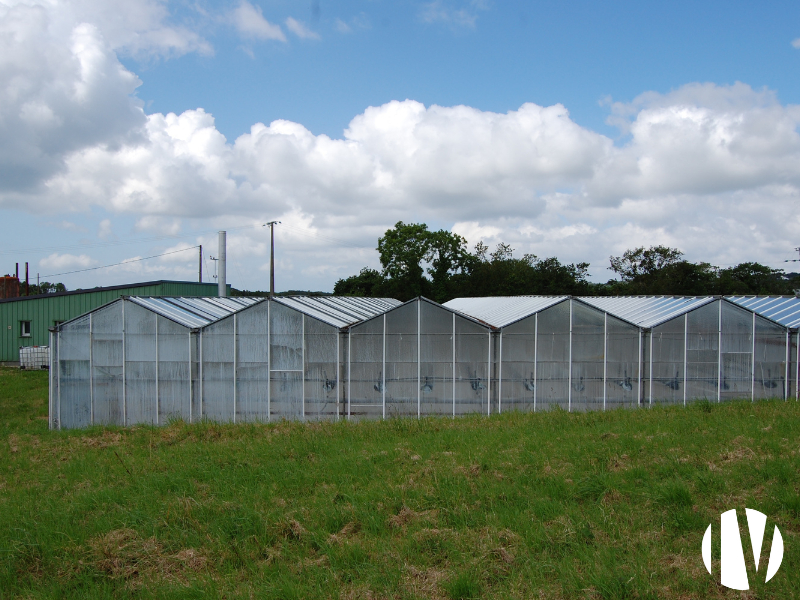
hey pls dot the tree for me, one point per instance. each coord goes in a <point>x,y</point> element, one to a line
<point>638,262</point>
<point>753,278</point>
<point>368,283</point>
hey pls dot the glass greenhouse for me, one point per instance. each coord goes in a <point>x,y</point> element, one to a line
<point>559,351</point>
<point>146,360</point>
<point>419,359</point>
<point>705,348</point>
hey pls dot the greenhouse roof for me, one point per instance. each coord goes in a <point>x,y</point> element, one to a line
<point>647,311</point>
<point>781,309</point>
<point>194,312</point>
<point>339,311</point>
<point>501,311</point>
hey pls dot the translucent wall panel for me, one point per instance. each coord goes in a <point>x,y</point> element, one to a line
<point>436,354</point>
<point>668,343</point>
<point>75,409</point>
<point>702,353</point>
<point>218,359</point>
<point>252,363</point>
<point>366,376</point>
<point>402,377</point>
<point>553,358</point>
<point>286,362</point>
<point>321,364</point>
<point>196,383</point>
<point>794,367</point>
<point>53,377</point>
<point>622,364</point>
<point>107,383</point>
<point>588,350</point>
<point>518,367</point>
<point>472,368</point>
<point>140,365</point>
<point>174,371</point>
<point>770,360</point>
<point>736,352</point>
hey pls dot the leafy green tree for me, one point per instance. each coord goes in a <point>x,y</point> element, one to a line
<point>753,278</point>
<point>368,283</point>
<point>641,262</point>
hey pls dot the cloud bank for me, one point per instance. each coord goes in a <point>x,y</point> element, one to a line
<point>713,170</point>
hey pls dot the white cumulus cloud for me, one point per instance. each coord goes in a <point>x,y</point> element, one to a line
<point>301,30</point>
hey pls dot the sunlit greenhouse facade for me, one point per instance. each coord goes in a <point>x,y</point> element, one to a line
<point>150,360</point>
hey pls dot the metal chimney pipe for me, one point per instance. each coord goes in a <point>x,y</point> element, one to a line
<point>223,288</point>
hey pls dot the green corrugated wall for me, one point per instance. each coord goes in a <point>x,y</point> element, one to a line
<point>44,312</point>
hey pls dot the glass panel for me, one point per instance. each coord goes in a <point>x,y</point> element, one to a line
<point>73,364</point>
<point>366,370</point>
<point>218,370</point>
<point>401,361</point>
<point>107,364</point>
<point>588,341</point>
<point>321,363</point>
<point>472,367</point>
<point>622,368</point>
<point>668,343</point>
<point>737,352</point>
<point>436,350</point>
<point>174,371</point>
<point>702,353</point>
<point>286,338</point>
<point>552,371</point>
<point>140,365</point>
<point>252,363</point>
<point>770,371</point>
<point>518,368</point>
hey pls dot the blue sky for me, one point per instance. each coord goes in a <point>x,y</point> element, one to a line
<point>574,130</point>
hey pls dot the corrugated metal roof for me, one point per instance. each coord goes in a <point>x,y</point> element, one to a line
<point>501,311</point>
<point>781,309</point>
<point>647,311</point>
<point>194,312</point>
<point>339,311</point>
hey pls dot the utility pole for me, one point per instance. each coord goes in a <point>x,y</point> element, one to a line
<point>200,266</point>
<point>271,226</point>
<point>222,288</point>
<point>794,259</point>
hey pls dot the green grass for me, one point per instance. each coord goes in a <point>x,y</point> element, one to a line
<point>552,505</point>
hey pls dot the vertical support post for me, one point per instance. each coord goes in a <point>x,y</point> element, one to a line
<point>200,372</point>
<point>349,372</point>
<point>489,378</point>
<point>569,375</point>
<point>685,354</point>
<point>500,376</point>
<point>222,288</point>
<point>797,366</point>
<point>535,358</point>
<point>191,380</point>
<point>454,365</point>
<point>235,364</point>
<point>419,358</point>
<point>269,360</point>
<point>158,395</point>
<point>338,373</point>
<point>303,366</point>
<point>652,333</point>
<point>383,370</point>
<point>753,363</point>
<point>639,367</point>
<point>58,377</point>
<point>91,372</point>
<point>605,358</point>
<point>124,378</point>
<point>786,366</point>
<point>719,355</point>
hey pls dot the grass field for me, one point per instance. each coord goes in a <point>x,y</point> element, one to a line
<point>551,505</point>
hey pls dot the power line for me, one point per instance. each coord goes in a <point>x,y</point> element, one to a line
<point>126,262</point>
<point>119,242</point>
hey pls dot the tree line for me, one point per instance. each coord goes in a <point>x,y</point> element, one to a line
<point>439,265</point>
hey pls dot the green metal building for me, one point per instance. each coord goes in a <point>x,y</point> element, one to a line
<point>26,321</point>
